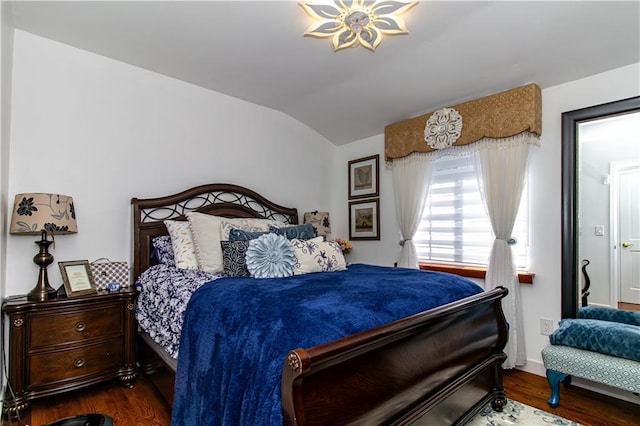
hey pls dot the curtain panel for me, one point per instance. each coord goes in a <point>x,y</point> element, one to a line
<point>501,168</point>
<point>411,181</point>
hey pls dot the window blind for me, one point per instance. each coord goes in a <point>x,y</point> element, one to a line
<point>455,227</point>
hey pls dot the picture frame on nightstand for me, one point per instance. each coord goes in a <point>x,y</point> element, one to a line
<point>77,278</point>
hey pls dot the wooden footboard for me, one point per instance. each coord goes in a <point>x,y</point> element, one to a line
<point>437,367</point>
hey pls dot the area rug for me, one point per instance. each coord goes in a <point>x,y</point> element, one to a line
<point>516,413</point>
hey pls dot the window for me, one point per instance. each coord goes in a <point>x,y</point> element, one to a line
<point>455,227</point>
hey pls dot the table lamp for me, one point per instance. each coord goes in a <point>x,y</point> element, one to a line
<point>43,214</point>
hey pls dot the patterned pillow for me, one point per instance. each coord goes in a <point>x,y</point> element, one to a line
<point>610,314</point>
<point>605,337</point>
<point>163,250</point>
<point>301,232</point>
<point>242,235</point>
<point>233,258</point>
<point>183,247</point>
<point>319,221</point>
<point>246,224</point>
<point>317,256</point>
<point>270,256</point>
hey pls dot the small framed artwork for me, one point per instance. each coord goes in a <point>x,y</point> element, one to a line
<point>364,220</point>
<point>363,177</point>
<point>77,277</point>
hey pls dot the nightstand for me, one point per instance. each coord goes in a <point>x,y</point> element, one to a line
<point>68,343</point>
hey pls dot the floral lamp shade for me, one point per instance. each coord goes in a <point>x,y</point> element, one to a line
<point>37,212</point>
<point>319,221</point>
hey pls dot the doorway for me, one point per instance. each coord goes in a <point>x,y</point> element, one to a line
<point>625,206</point>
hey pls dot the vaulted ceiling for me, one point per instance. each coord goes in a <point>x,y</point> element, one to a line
<point>255,50</point>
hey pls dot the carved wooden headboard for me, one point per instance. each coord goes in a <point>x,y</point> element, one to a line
<point>220,199</point>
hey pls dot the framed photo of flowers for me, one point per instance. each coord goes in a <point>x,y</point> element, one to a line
<point>363,177</point>
<point>364,220</point>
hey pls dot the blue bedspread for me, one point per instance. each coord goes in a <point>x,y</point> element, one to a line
<point>237,332</point>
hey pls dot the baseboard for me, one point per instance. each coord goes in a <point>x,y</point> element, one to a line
<point>534,367</point>
<point>537,368</point>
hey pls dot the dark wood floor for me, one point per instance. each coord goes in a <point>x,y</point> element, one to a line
<point>141,405</point>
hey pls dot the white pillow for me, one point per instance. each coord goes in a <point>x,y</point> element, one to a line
<point>207,233</point>
<point>182,243</point>
<point>205,229</point>
<point>317,256</point>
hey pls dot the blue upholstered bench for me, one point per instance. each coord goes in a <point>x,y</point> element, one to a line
<point>602,345</point>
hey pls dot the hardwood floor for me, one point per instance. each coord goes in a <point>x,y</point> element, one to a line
<point>142,405</point>
<point>629,306</point>
<point>577,404</point>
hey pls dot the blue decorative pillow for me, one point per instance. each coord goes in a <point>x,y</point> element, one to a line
<point>233,258</point>
<point>270,256</point>
<point>301,232</point>
<point>606,337</point>
<point>163,250</point>
<point>242,235</point>
<point>610,314</point>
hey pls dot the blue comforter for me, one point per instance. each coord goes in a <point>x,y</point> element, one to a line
<point>237,332</point>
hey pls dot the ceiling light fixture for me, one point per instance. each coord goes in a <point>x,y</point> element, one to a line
<point>350,22</point>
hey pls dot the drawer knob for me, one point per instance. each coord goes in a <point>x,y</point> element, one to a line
<point>80,326</point>
<point>79,362</point>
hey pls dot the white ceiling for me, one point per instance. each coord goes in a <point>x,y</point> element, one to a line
<point>255,50</point>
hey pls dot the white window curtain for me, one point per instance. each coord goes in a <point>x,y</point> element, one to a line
<point>501,166</point>
<point>411,181</point>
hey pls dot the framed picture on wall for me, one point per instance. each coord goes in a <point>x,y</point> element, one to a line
<point>364,220</point>
<point>363,177</point>
<point>77,277</point>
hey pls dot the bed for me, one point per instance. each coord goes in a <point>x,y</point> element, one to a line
<point>436,366</point>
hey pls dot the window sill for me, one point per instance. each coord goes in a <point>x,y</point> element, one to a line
<point>471,271</point>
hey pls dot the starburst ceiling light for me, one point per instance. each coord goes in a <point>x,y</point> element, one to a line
<point>350,22</point>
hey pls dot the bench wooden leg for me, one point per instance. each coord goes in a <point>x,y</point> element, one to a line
<point>554,378</point>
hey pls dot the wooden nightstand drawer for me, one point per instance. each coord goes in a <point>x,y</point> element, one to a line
<point>51,328</point>
<point>51,367</point>
<point>68,343</point>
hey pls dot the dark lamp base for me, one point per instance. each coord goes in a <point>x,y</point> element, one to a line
<point>42,291</point>
<point>41,294</point>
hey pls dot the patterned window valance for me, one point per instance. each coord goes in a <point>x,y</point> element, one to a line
<point>500,115</point>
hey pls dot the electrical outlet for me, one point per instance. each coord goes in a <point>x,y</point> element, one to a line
<point>546,326</point>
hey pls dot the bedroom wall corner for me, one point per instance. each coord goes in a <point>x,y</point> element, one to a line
<point>6,54</point>
<point>384,252</point>
<point>105,131</point>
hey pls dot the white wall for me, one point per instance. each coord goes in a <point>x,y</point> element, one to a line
<point>103,132</point>
<point>6,52</point>
<point>542,299</point>
<point>381,252</point>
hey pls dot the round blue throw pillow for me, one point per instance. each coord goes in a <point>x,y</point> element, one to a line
<point>270,256</point>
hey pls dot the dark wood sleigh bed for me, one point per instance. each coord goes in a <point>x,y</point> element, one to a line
<point>440,366</point>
